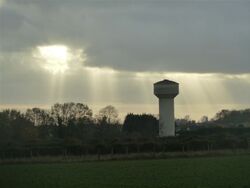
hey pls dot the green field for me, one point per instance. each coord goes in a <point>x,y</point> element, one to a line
<point>211,172</point>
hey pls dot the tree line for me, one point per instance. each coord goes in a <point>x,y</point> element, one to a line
<point>73,129</point>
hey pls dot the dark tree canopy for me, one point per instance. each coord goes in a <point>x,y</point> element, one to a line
<point>233,118</point>
<point>144,124</point>
<point>70,128</point>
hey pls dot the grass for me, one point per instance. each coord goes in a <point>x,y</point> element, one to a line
<point>130,156</point>
<point>228,172</point>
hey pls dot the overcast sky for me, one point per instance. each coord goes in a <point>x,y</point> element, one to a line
<point>111,52</point>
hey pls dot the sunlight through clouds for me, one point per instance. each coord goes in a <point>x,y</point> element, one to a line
<point>103,83</point>
<point>199,93</point>
<point>55,58</point>
<point>2,2</point>
<point>84,51</point>
<point>58,58</point>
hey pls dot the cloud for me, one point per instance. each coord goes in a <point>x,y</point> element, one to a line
<point>201,37</point>
<point>122,48</point>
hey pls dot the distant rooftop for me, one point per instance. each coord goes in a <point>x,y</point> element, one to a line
<point>164,82</point>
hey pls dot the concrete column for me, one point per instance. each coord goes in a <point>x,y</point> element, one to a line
<point>166,121</point>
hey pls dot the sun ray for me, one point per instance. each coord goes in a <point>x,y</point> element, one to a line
<point>61,61</point>
<point>199,93</point>
<point>103,84</point>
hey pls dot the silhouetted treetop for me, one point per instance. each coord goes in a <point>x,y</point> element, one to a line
<point>63,113</point>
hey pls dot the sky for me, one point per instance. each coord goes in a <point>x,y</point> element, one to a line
<point>111,52</point>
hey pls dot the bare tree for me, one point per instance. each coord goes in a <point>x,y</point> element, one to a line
<point>63,113</point>
<point>108,114</point>
<point>39,116</point>
<point>204,119</point>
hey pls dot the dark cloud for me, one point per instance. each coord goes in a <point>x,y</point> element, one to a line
<point>192,36</point>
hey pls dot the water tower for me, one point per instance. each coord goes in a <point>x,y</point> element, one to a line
<point>166,91</point>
